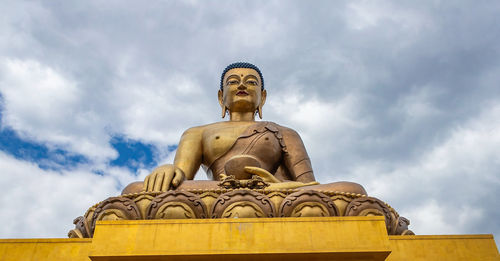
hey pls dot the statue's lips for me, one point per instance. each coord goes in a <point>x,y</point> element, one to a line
<point>242,93</point>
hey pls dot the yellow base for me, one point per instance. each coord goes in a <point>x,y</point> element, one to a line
<point>328,238</point>
<point>45,249</point>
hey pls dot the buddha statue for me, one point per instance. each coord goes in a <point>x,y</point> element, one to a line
<point>240,148</point>
<point>256,169</point>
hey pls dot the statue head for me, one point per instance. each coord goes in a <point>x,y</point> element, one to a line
<point>241,65</point>
<point>242,89</point>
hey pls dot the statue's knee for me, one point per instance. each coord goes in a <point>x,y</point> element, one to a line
<point>134,187</point>
<point>342,186</point>
<point>355,188</point>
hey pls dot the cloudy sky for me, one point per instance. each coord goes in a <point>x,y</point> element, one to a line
<point>400,96</point>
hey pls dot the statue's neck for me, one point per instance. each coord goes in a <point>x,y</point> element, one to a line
<point>241,116</point>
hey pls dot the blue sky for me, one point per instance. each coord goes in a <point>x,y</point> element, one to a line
<point>27,150</point>
<point>132,154</point>
<point>400,96</point>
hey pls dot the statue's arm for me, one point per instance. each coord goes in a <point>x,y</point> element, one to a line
<point>189,153</point>
<point>186,164</point>
<point>295,158</point>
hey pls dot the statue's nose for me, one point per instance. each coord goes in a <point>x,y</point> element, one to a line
<point>242,87</point>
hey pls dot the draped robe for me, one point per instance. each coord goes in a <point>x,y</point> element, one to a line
<point>279,150</point>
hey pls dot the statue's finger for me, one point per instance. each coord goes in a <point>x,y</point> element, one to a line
<point>164,184</point>
<point>258,171</point>
<point>151,182</point>
<point>264,174</point>
<point>176,181</point>
<point>168,180</point>
<point>145,184</point>
<point>158,182</point>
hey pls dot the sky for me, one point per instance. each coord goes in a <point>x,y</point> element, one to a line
<point>402,97</point>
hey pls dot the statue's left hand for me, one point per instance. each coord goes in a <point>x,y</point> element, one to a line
<point>264,174</point>
<point>276,183</point>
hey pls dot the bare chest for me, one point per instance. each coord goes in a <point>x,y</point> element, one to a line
<point>219,139</point>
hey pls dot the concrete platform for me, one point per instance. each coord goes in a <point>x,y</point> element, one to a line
<point>320,238</point>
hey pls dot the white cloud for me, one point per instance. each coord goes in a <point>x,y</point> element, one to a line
<point>365,14</point>
<point>451,187</point>
<point>323,126</point>
<point>433,217</point>
<point>43,203</point>
<point>417,105</point>
<point>382,93</point>
<point>154,109</point>
<point>43,105</point>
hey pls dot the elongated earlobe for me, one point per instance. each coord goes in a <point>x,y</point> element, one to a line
<point>224,108</point>
<point>262,101</point>
<point>224,111</point>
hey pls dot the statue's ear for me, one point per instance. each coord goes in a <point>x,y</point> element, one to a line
<point>219,94</point>
<point>262,101</point>
<point>221,102</point>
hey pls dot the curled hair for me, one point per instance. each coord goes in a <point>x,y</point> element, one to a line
<point>241,65</point>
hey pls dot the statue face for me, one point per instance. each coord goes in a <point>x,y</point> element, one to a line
<point>242,90</point>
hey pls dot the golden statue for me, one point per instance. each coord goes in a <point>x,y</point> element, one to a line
<point>241,147</point>
<point>257,169</point>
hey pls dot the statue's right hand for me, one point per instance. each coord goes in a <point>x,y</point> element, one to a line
<point>164,178</point>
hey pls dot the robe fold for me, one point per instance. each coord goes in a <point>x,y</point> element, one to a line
<point>278,149</point>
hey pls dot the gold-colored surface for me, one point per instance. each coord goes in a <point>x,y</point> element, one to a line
<point>143,202</point>
<point>175,210</point>
<point>75,249</point>
<point>443,248</point>
<point>207,199</point>
<point>331,238</point>
<point>111,214</point>
<point>341,202</point>
<point>133,187</point>
<point>276,198</point>
<point>310,209</point>
<point>243,209</point>
<point>230,147</point>
<point>236,165</point>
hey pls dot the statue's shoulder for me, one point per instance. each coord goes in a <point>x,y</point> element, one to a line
<point>194,131</point>
<point>282,129</point>
<point>214,125</point>
<point>202,128</point>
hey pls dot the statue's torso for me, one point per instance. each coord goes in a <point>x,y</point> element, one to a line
<point>219,137</point>
<point>223,140</point>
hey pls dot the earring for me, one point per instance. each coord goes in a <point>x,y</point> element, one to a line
<point>224,111</point>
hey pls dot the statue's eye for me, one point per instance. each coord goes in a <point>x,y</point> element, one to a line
<point>232,82</point>
<point>251,82</point>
